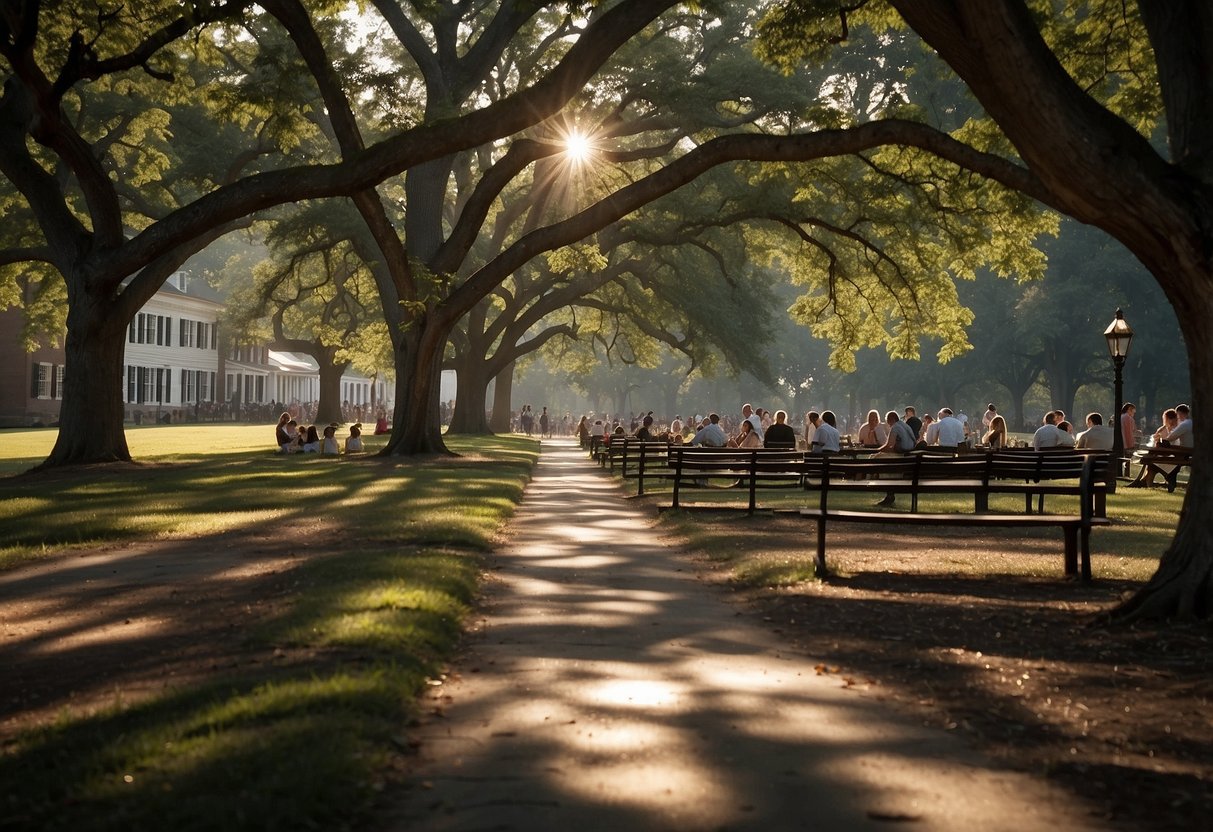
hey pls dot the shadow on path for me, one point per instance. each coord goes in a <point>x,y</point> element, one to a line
<point>609,689</point>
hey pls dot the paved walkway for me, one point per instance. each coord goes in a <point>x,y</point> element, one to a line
<point>609,690</point>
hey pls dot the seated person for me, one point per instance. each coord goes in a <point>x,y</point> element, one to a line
<point>1047,435</point>
<point>381,425</point>
<point>311,445</point>
<point>281,437</point>
<point>294,440</point>
<point>1097,436</point>
<point>901,441</point>
<point>353,442</point>
<point>747,438</point>
<point>996,436</point>
<point>780,434</point>
<point>1065,434</point>
<point>826,439</point>
<point>712,435</point>
<point>872,434</point>
<point>811,420</point>
<point>1181,434</point>
<point>328,445</point>
<point>645,433</point>
<point>925,429</point>
<point>946,431</point>
<point>1161,438</point>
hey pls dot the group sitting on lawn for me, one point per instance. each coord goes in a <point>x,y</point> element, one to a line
<point>292,438</point>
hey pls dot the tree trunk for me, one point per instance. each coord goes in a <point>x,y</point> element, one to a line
<point>328,408</point>
<point>416,428</point>
<point>503,394</point>
<point>1183,584</point>
<point>91,415</point>
<point>471,391</point>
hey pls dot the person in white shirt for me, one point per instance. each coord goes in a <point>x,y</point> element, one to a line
<point>901,441</point>
<point>1167,435</point>
<point>1097,436</point>
<point>711,435</point>
<point>1047,435</point>
<point>947,431</point>
<point>988,418</point>
<point>811,420</point>
<point>825,440</point>
<point>1181,434</point>
<point>329,445</point>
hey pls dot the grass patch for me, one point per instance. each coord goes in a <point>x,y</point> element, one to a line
<point>1144,522</point>
<point>170,495</point>
<point>299,744</point>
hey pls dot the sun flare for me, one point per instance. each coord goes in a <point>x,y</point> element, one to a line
<point>577,147</point>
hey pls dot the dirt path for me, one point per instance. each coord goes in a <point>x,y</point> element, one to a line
<point>607,688</point>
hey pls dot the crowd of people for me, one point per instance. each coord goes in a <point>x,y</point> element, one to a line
<point>894,433</point>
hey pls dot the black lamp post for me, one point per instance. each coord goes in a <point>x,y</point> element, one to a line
<point>1119,335</point>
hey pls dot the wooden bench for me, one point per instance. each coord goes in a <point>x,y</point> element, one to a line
<point>644,459</point>
<point>696,467</point>
<point>609,451</point>
<point>1076,528</point>
<point>1034,475</point>
<point>1165,460</point>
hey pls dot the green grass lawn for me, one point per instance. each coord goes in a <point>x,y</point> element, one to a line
<point>297,747</point>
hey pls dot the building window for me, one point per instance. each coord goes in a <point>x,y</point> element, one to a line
<point>40,381</point>
<point>148,334</point>
<point>57,383</point>
<point>148,385</point>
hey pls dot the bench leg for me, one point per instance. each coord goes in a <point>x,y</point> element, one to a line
<point>1086,555</point>
<point>1071,535</point>
<point>820,564</point>
<point>981,501</point>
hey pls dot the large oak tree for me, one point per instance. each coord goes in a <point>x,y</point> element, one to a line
<point>1069,87</point>
<point>111,258</point>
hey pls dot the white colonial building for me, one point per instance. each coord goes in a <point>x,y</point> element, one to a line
<point>177,366</point>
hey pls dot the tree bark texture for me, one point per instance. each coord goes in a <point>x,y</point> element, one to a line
<point>503,395</point>
<point>416,427</point>
<point>91,415</point>
<point>328,408</point>
<point>471,392</point>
